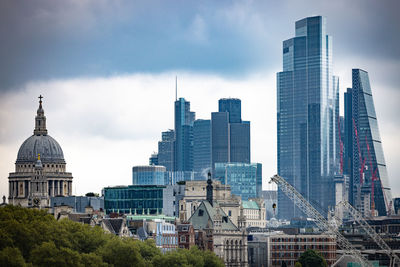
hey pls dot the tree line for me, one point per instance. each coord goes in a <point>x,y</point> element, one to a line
<point>31,237</point>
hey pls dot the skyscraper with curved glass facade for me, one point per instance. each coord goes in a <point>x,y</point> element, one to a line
<point>308,117</point>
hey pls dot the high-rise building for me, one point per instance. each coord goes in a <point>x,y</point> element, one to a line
<point>148,175</point>
<point>369,185</point>
<point>166,148</point>
<point>245,179</point>
<point>233,106</point>
<point>230,136</point>
<point>201,148</point>
<point>220,141</point>
<point>308,117</point>
<point>184,119</point>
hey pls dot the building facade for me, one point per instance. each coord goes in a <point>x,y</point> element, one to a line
<point>78,203</point>
<point>186,235</point>
<point>184,119</point>
<point>40,169</point>
<point>201,148</point>
<point>148,175</point>
<point>230,136</point>
<point>288,248</point>
<point>245,179</point>
<point>369,189</point>
<point>308,117</point>
<point>254,213</point>
<point>134,199</point>
<point>166,150</point>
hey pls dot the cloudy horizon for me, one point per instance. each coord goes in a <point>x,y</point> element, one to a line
<point>107,71</point>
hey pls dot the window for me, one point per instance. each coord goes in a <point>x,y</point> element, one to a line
<point>201,212</point>
<point>230,213</point>
<point>183,238</point>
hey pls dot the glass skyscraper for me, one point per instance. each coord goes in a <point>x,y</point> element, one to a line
<point>245,179</point>
<point>233,106</point>
<point>166,148</point>
<point>184,120</point>
<point>366,163</point>
<point>230,136</point>
<point>201,148</point>
<point>308,117</point>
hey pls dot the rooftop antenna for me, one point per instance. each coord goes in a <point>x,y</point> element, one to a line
<point>176,88</point>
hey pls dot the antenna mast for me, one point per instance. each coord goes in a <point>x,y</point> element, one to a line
<point>176,88</point>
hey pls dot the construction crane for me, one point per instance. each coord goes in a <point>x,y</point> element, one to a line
<point>320,221</point>
<point>370,231</point>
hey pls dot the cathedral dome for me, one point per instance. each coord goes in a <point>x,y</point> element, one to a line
<point>48,148</point>
<point>40,143</point>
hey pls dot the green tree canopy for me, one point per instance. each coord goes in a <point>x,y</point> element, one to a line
<point>312,258</point>
<point>31,237</point>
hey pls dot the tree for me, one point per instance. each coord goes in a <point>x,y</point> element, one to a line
<point>312,258</point>
<point>11,257</point>
<point>298,264</point>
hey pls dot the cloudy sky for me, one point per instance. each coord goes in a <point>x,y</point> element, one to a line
<point>107,72</point>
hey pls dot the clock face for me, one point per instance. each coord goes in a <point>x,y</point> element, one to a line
<point>36,201</point>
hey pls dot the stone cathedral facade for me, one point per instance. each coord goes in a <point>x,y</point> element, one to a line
<point>40,169</point>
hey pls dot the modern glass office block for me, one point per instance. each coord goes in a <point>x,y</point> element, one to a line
<point>233,106</point>
<point>148,175</point>
<point>369,174</point>
<point>201,148</point>
<point>134,199</point>
<point>220,137</point>
<point>184,119</point>
<point>245,179</point>
<point>166,148</point>
<point>308,117</point>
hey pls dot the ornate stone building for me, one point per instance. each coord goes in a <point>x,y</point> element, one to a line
<point>40,169</point>
<point>215,231</point>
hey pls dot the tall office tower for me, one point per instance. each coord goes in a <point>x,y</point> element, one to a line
<point>307,117</point>
<point>369,185</point>
<point>184,120</point>
<point>220,141</point>
<point>230,136</point>
<point>233,106</point>
<point>166,148</point>
<point>201,148</point>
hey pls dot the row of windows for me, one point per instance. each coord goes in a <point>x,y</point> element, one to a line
<point>308,239</point>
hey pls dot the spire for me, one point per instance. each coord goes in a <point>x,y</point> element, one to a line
<point>40,120</point>
<point>176,88</point>
<point>209,189</point>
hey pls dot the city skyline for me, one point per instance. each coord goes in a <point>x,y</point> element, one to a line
<point>103,133</point>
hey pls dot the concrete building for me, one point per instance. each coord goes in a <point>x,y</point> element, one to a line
<point>288,248</point>
<point>254,213</point>
<point>40,169</point>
